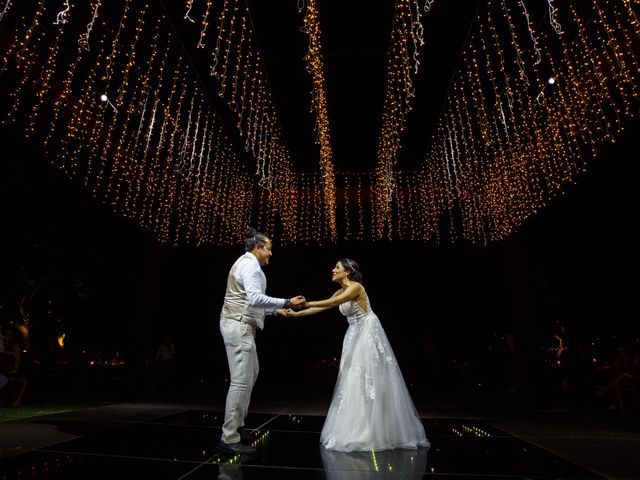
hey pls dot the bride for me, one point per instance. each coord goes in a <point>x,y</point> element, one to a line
<point>371,408</point>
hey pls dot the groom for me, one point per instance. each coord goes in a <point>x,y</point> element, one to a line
<point>244,309</point>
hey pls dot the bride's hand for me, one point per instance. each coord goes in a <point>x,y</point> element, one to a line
<point>291,313</point>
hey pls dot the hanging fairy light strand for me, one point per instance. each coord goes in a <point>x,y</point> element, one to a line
<point>84,38</point>
<point>315,67</point>
<point>5,8</point>
<point>61,17</point>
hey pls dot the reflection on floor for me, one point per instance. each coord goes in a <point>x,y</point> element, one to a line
<point>183,446</point>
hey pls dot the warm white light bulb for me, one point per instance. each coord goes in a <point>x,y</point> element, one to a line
<point>104,97</point>
<point>552,81</point>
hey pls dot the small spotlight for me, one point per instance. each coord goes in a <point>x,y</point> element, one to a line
<point>551,80</point>
<point>105,99</point>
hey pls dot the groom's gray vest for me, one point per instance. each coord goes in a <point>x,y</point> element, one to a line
<point>236,304</point>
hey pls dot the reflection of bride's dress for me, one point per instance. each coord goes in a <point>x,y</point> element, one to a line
<point>389,464</point>
<point>371,407</point>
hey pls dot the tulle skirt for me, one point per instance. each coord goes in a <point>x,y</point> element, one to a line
<point>371,407</point>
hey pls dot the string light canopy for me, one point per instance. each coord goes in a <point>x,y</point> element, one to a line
<point>113,95</point>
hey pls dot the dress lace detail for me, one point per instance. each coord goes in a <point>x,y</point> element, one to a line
<point>371,407</point>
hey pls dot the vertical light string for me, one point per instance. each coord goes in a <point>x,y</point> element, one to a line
<point>5,9</point>
<point>315,67</point>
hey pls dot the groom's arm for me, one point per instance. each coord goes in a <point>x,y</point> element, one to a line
<point>251,277</point>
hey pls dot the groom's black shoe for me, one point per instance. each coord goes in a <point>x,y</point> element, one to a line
<point>235,448</point>
<point>246,436</point>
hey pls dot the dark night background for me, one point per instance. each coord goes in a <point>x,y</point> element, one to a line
<point>570,270</point>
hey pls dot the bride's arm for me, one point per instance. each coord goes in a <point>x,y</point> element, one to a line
<point>350,293</point>
<point>311,310</point>
<point>305,312</point>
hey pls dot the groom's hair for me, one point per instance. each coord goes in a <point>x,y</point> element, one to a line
<point>254,238</point>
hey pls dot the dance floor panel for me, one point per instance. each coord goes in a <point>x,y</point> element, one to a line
<point>183,446</point>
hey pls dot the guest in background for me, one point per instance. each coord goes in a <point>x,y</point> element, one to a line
<point>11,394</point>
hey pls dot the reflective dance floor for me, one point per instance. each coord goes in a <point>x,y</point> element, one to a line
<point>183,446</point>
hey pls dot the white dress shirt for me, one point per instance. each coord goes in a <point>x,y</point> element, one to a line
<point>250,275</point>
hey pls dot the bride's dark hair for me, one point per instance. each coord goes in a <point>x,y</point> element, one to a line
<point>353,268</point>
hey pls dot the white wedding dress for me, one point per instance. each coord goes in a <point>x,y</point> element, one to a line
<point>371,407</point>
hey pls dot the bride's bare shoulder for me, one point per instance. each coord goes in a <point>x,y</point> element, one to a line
<point>359,289</point>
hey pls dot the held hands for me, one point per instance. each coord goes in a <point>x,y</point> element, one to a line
<point>294,303</point>
<point>297,302</point>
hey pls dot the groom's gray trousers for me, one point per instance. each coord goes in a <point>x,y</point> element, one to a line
<point>239,341</point>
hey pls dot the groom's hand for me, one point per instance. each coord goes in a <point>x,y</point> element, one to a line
<point>297,302</point>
